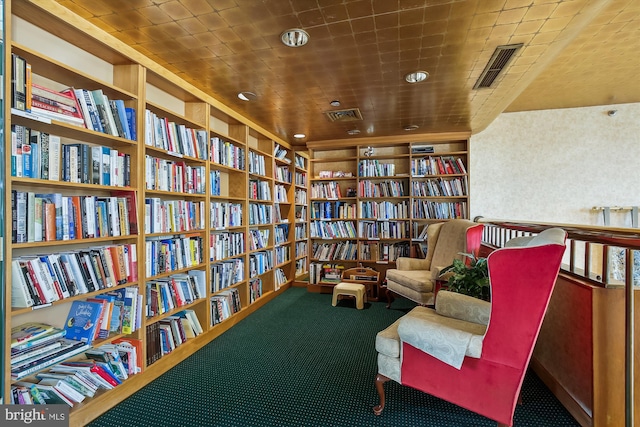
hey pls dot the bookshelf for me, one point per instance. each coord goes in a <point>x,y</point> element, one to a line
<point>301,215</point>
<point>370,201</point>
<point>200,201</point>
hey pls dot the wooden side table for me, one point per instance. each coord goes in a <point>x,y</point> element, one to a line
<point>366,276</point>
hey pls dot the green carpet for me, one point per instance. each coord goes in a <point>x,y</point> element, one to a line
<point>298,361</point>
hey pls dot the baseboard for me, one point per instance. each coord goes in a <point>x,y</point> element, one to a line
<point>576,410</point>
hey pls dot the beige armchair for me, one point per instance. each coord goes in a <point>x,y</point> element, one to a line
<point>415,279</point>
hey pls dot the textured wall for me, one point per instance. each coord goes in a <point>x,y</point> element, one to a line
<point>555,165</point>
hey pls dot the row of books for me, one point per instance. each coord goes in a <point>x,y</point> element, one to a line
<point>383,210</point>
<point>383,229</point>
<point>175,137</point>
<point>260,263</point>
<point>300,196</point>
<point>166,294</point>
<point>301,213</point>
<point>282,254</point>
<point>332,230</point>
<point>173,216</point>
<point>36,346</point>
<point>300,161</point>
<point>174,176</point>
<point>224,305</point>
<point>325,190</point>
<point>226,273</point>
<point>437,165</point>
<point>281,233</point>
<point>283,174</point>
<point>40,155</point>
<point>325,273</point>
<point>225,245</point>
<point>43,279</point>
<point>280,278</point>
<point>90,109</point>
<point>280,193</point>
<point>257,164</point>
<point>225,214</point>
<point>423,209</point>
<point>347,250</point>
<point>367,168</point>
<point>255,289</point>
<point>172,253</point>
<point>301,249</point>
<point>301,266</point>
<point>215,184</point>
<point>170,332</point>
<point>280,153</point>
<point>300,231</point>
<point>367,188</point>
<point>301,178</point>
<point>227,154</point>
<point>277,213</point>
<point>454,187</point>
<point>260,214</point>
<point>258,238</point>
<point>383,252</point>
<point>47,217</point>
<point>259,190</point>
<point>72,382</point>
<point>333,210</point>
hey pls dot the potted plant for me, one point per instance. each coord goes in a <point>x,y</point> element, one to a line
<point>469,278</point>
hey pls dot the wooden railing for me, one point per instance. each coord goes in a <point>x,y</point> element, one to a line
<point>604,256</point>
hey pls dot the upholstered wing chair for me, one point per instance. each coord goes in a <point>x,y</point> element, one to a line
<point>470,352</point>
<point>414,278</point>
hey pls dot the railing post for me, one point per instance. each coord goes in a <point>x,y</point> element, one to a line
<point>629,341</point>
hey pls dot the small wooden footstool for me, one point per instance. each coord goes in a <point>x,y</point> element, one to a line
<point>354,289</point>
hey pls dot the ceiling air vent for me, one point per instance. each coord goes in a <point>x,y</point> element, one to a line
<point>498,62</point>
<point>349,115</point>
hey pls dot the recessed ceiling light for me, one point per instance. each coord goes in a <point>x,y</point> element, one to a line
<point>247,96</point>
<point>335,103</point>
<point>353,132</point>
<point>294,37</point>
<point>299,135</point>
<point>411,127</point>
<point>416,76</point>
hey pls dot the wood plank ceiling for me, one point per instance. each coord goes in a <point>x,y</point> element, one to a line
<point>575,53</point>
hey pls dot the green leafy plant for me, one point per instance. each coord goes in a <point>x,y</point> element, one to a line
<point>470,279</point>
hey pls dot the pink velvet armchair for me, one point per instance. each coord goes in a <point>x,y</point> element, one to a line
<point>470,352</point>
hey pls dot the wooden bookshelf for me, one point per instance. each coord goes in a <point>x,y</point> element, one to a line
<point>369,201</point>
<point>66,51</point>
<point>301,217</point>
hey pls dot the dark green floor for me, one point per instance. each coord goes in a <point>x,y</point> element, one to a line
<point>298,361</point>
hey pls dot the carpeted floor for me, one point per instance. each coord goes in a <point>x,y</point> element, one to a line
<point>298,361</point>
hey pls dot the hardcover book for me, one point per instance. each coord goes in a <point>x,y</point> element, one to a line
<point>82,321</point>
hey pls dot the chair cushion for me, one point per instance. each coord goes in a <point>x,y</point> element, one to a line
<point>463,307</point>
<point>444,338</point>
<point>418,280</point>
<point>388,341</point>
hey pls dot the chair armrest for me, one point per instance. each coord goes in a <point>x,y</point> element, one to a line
<point>404,263</point>
<point>463,307</point>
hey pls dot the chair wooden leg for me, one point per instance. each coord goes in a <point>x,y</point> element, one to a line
<point>390,297</point>
<point>380,380</point>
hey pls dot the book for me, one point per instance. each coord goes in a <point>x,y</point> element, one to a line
<point>68,349</point>
<point>82,320</point>
<point>27,332</point>
<point>18,82</point>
